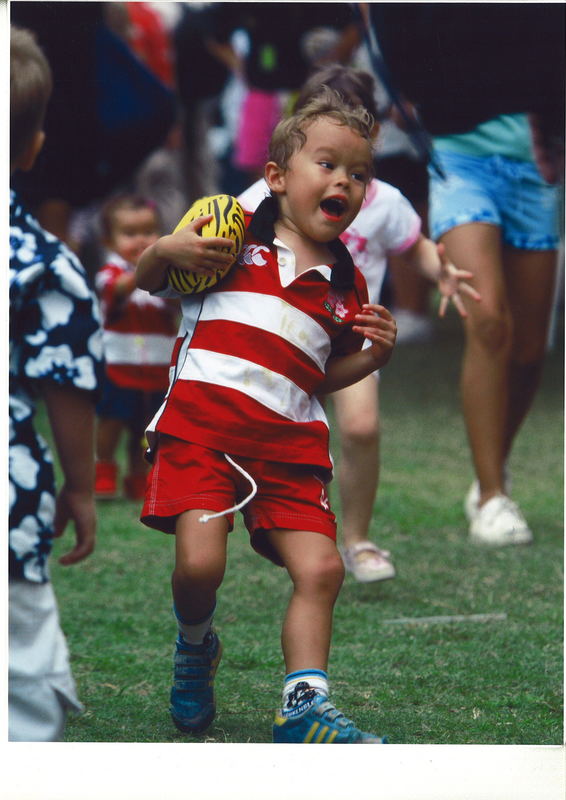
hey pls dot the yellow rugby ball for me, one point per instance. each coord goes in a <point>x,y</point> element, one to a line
<point>227,223</point>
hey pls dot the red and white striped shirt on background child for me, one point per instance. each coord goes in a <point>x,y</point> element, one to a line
<point>139,330</point>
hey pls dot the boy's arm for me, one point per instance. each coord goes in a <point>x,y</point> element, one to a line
<point>72,417</point>
<point>430,259</point>
<point>184,249</point>
<point>376,324</point>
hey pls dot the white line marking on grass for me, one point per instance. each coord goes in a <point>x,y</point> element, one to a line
<point>441,620</point>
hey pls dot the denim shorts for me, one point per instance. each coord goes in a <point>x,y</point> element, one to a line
<point>498,191</point>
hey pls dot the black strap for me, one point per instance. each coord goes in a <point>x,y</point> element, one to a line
<point>262,227</point>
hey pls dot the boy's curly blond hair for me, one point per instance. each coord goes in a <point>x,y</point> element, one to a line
<point>290,134</point>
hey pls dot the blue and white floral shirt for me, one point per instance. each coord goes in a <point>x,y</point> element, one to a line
<point>55,335</point>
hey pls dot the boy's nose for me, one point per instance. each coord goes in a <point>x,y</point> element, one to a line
<point>342,178</point>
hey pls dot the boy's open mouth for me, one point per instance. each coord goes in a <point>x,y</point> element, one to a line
<point>333,207</point>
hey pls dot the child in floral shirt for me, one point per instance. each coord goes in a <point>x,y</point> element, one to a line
<point>55,355</point>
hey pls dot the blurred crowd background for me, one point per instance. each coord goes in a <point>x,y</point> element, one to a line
<point>149,97</point>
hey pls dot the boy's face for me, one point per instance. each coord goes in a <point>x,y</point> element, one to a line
<point>133,230</point>
<point>323,187</point>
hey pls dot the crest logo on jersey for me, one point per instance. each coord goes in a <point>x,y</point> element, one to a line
<point>335,304</point>
<point>251,255</point>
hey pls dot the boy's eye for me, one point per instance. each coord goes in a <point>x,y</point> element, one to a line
<point>326,164</point>
<point>359,176</point>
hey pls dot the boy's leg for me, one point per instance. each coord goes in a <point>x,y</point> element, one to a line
<point>107,437</point>
<point>200,562</point>
<point>108,434</point>
<point>317,572</point>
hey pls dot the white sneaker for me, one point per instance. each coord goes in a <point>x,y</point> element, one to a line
<point>367,562</point>
<point>472,499</point>
<point>499,522</point>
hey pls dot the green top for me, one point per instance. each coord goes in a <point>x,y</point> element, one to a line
<point>508,135</point>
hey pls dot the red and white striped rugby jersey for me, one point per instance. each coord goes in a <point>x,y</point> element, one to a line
<point>139,331</point>
<point>251,352</point>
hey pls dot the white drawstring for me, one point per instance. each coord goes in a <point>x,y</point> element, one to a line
<point>206,517</point>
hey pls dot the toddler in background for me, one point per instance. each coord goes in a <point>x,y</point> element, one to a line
<point>139,333</point>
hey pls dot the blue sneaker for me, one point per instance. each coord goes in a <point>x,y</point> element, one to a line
<point>314,720</point>
<point>192,696</point>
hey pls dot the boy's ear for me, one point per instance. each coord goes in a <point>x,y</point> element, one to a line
<point>31,152</point>
<point>275,177</point>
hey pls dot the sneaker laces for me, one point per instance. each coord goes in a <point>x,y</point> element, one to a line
<point>238,506</point>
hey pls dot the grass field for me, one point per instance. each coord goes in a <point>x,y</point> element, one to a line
<point>483,682</point>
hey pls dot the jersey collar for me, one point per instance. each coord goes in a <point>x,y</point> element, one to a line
<point>262,227</point>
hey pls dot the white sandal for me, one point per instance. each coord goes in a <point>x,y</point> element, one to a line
<point>367,562</point>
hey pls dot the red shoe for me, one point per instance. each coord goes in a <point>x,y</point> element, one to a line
<point>105,480</point>
<point>134,487</point>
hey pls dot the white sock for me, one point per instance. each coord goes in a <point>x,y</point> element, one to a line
<point>194,632</point>
<point>316,679</point>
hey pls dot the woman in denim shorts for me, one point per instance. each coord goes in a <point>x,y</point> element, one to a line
<point>498,219</point>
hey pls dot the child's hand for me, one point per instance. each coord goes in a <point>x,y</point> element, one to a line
<point>451,285</point>
<point>77,507</point>
<point>187,250</point>
<point>377,324</point>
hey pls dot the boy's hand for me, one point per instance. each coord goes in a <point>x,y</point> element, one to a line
<point>187,250</point>
<point>78,507</point>
<point>451,285</point>
<point>377,324</point>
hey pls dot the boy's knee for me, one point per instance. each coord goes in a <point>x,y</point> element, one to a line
<point>323,574</point>
<point>204,571</point>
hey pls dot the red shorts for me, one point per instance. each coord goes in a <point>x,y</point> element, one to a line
<point>186,476</point>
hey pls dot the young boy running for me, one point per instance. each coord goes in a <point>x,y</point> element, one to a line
<point>287,323</point>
